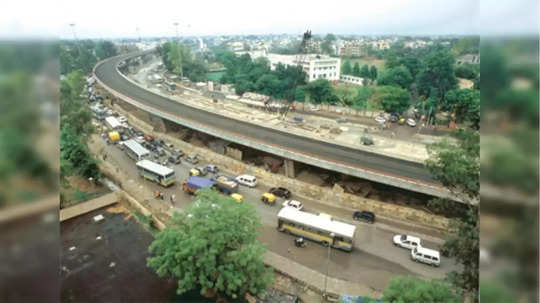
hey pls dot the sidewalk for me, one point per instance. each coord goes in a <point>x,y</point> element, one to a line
<point>79,209</point>
<point>315,279</point>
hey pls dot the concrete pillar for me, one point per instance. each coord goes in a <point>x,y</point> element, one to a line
<point>289,168</point>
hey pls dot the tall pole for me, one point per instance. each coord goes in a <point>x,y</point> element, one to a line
<point>332,235</point>
<point>178,50</point>
<point>72,25</point>
<point>138,33</point>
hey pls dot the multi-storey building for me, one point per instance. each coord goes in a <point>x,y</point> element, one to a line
<point>315,66</point>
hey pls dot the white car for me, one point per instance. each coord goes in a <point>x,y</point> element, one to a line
<point>380,119</point>
<point>410,122</point>
<point>406,241</point>
<point>294,204</point>
<point>247,180</point>
<point>122,119</point>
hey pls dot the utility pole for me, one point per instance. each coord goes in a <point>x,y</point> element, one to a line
<point>178,50</point>
<point>72,25</point>
<point>138,33</point>
<point>332,235</point>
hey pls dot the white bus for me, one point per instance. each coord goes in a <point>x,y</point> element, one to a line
<point>319,228</point>
<point>155,172</point>
<point>135,151</point>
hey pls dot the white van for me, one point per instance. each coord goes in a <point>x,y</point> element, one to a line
<point>426,255</point>
<point>247,180</point>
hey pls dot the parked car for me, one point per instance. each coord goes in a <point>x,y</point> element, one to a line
<point>178,152</point>
<point>342,120</point>
<point>139,139</point>
<point>202,169</point>
<point>237,197</point>
<point>247,180</point>
<point>394,118</point>
<point>122,119</point>
<point>192,159</point>
<point>410,122</point>
<point>406,241</point>
<point>173,160</point>
<point>364,215</point>
<point>160,151</point>
<point>426,255</point>
<point>148,138</point>
<point>268,198</point>
<point>280,192</point>
<point>380,119</point>
<point>212,168</point>
<point>294,204</point>
<point>160,142</point>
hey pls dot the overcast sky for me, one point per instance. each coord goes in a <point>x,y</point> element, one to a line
<point>115,19</point>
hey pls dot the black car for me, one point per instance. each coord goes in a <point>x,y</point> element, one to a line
<point>280,192</point>
<point>364,215</point>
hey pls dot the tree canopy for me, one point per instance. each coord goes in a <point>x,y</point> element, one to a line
<point>411,290</point>
<point>436,70</point>
<point>465,103</point>
<point>346,69</point>
<point>373,73</point>
<point>213,246</point>
<point>320,91</point>
<point>356,69</point>
<point>393,99</point>
<point>364,72</point>
<point>178,59</point>
<point>396,76</point>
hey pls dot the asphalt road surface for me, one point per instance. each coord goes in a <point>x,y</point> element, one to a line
<point>381,164</point>
<point>373,262</point>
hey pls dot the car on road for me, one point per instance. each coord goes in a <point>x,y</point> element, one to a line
<point>410,122</point>
<point>426,255</point>
<point>178,152</point>
<point>407,241</point>
<point>280,192</point>
<point>237,197</point>
<point>342,120</point>
<point>246,180</point>
<point>202,169</point>
<point>139,139</point>
<point>122,119</point>
<point>193,159</point>
<point>174,160</point>
<point>364,215</point>
<point>160,151</point>
<point>380,119</point>
<point>212,168</point>
<point>294,204</point>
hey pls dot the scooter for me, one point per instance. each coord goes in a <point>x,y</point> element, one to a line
<point>299,242</point>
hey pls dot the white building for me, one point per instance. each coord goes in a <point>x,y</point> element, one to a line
<point>352,80</point>
<point>315,66</point>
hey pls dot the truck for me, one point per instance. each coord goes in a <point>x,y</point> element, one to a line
<point>192,184</point>
<point>225,184</point>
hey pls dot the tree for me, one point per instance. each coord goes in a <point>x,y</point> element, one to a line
<point>75,158</point>
<point>437,70</point>
<point>363,94</point>
<point>364,72</point>
<point>213,246</point>
<point>327,42</point>
<point>411,289</point>
<point>345,94</point>
<point>457,167</point>
<point>74,110</point>
<point>465,103</point>
<point>356,69</point>
<point>320,91</point>
<point>393,99</point>
<point>346,69</point>
<point>105,49</point>
<point>467,71</point>
<point>373,73</point>
<point>396,76</point>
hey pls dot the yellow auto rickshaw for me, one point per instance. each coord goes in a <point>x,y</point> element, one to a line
<point>194,172</point>
<point>237,197</point>
<point>268,198</point>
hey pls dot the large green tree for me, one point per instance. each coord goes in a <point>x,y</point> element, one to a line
<point>346,69</point>
<point>396,76</point>
<point>75,158</point>
<point>393,99</point>
<point>320,91</point>
<point>74,109</point>
<point>373,73</point>
<point>364,71</point>
<point>345,94</point>
<point>356,69</point>
<point>411,290</point>
<point>436,71</point>
<point>465,103</point>
<point>213,246</point>
<point>105,49</point>
<point>457,166</point>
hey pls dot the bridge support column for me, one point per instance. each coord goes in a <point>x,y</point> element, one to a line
<point>289,168</point>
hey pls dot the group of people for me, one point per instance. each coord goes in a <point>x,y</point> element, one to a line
<point>160,195</point>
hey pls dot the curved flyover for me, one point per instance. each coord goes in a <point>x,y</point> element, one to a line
<point>379,168</point>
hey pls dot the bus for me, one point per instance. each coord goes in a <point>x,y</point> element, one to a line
<point>135,151</point>
<point>155,172</point>
<point>319,228</point>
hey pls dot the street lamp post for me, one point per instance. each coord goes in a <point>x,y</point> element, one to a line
<point>332,235</point>
<point>178,50</point>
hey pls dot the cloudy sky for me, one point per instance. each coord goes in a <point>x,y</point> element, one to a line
<point>114,19</point>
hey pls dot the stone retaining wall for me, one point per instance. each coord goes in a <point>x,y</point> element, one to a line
<point>333,197</point>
